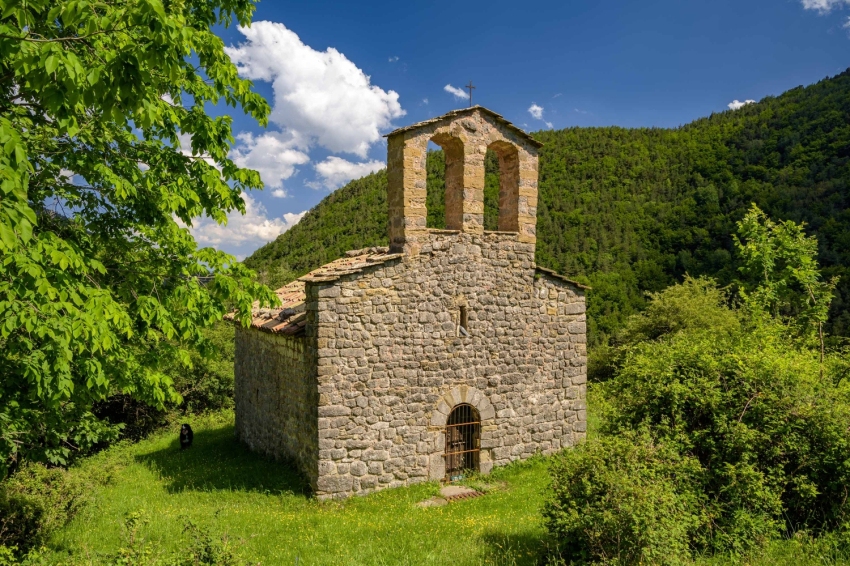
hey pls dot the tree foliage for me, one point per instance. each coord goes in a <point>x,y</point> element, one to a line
<point>100,280</point>
<point>783,276</point>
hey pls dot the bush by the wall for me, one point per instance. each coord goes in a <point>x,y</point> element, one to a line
<point>626,499</point>
<point>740,395</point>
<point>760,416</point>
<point>209,384</point>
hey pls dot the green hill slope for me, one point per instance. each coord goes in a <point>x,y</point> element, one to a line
<point>633,210</point>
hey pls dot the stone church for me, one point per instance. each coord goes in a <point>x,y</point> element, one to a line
<point>448,352</point>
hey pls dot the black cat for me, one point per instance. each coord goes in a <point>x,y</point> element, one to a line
<point>186,436</point>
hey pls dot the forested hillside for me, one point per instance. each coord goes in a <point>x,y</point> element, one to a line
<point>633,210</point>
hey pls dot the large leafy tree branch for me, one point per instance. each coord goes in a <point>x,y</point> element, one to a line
<point>100,279</point>
<point>781,274</point>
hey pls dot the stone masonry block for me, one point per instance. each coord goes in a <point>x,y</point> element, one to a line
<point>334,411</point>
<point>437,467</point>
<point>334,484</point>
<point>438,418</point>
<point>453,397</point>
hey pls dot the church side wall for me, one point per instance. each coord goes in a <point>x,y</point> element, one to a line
<point>391,363</point>
<point>276,397</point>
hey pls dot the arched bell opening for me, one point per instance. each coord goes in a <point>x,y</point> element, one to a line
<point>445,188</point>
<point>507,156</point>
<point>492,182</point>
<point>463,441</point>
<point>435,182</point>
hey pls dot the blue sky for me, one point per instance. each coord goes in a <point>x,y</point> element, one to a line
<point>340,74</point>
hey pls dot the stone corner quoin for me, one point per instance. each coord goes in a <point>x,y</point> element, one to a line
<point>360,392</point>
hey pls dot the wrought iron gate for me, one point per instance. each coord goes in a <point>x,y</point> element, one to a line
<point>463,441</point>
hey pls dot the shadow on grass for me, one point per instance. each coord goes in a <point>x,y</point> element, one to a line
<point>217,461</point>
<point>516,549</point>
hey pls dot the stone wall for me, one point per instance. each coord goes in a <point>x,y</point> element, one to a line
<point>391,364</point>
<point>277,397</point>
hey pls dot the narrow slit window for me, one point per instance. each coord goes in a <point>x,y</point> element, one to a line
<point>463,327</point>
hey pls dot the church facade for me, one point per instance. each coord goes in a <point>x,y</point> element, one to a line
<point>448,352</point>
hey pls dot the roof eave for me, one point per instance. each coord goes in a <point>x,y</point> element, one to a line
<point>557,275</point>
<point>460,111</point>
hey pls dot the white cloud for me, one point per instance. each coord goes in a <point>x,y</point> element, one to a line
<point>536,111</point>
<point>559,94</point>
<point>580,111</point>
<point>336,171</point>
<point>424,101</point>
<point>824,6</point>
<point>847,24</point>
<point>549,125</point>
<point>394,59</point>
<point>273,154</point>
<point>293,218</point>
<point>736,104</point>
<point>319,96</point>
<point>456,92</point>
<point>254,227</point>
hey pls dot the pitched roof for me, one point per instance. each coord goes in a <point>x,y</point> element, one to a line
<point>290,317</point>
<point>460,112</point>
<point>557,275</point>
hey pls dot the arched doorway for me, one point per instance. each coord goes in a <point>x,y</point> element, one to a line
<point>463,441</point>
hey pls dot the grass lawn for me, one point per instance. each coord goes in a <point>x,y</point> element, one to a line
<point>261,507</point>
<point>262,510</point>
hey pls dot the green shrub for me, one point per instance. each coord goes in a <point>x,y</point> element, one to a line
<point>754,410</point>
<point>623,500</point>
<point>8,555</point>
<point>762,413</point>
<point>202,547</point>
<point>36,500</point>
<point>136,550</point>
<point>695,304</point>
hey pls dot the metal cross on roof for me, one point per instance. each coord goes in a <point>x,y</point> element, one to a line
<point>470,87</point>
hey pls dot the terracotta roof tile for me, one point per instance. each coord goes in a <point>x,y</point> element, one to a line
<point>290,317</point>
